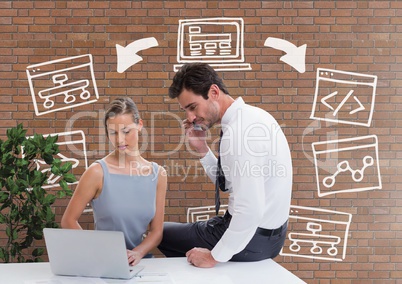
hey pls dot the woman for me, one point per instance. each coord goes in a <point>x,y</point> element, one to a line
<point>126,191</point>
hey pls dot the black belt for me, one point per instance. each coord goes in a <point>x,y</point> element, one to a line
<point>261,231</point>
<point>273,232</point>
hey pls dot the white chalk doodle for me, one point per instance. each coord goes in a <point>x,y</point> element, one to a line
<point>127,56</point>
<point>317,233</point>
<point>216,41</point>
<point>72,149</point>
<point>63,83</point>
<point>347,165</point>
<point>344,97</point>
<point>295,56</point>
<point>203,213</point>
<point>315,239</point>
<point>357,175</point>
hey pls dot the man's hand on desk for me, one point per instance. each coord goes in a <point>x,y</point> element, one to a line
<point>201,257</point>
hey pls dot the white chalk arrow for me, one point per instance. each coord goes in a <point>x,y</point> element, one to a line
<point>127,56</point>
<point>295,56</point>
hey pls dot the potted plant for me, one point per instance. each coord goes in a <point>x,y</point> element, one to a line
<point>25,205</point>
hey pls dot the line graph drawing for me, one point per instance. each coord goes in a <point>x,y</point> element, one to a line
<point>357,175</point>
<point>347,165</point>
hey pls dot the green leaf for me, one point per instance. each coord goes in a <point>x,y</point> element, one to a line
<point>63,185</point>
<point>48,157</point>
<point>39,194</point>
<point>61,194</point>
<point>3,219</point>
<point>21,163</point>
<point>11,186</point>
<point>8,231</point>
<point>69,178</point>
<point>38,178</point>
<point>4,196</point>
<point>56,162</point>
<point>49,215</point>
<point>37,234</point>
<point>8,159</point>
<point>55,170</point>
<point>66,167</point>
<point>37,252</point>
<point>49,199</point>
<point>52,139</point>
<point>2,254</point>
<point>15,235</point>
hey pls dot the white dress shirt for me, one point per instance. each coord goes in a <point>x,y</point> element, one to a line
<point>256,160</point>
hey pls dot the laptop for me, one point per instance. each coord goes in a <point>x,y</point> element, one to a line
<point>88,253</point>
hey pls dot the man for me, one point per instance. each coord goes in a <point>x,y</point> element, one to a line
<point>254,165</point>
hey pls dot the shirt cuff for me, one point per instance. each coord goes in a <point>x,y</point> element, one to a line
<point>220,253</point>
<point>209,158</point>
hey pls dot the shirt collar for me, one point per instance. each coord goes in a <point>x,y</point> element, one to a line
<point>231,111</point>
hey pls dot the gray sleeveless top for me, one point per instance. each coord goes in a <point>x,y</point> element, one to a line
<point>127,203</point>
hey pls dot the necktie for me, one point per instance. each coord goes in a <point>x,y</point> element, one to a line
<point>220,179</point>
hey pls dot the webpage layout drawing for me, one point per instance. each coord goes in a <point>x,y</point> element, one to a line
<point>71,149</point>
<point>344,97</point>
<point>350,165</point>
<point>317,233</point>
<point>216,41</point>
<point>61,84</point>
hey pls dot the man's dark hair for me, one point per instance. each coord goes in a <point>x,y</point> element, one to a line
<point>195,77</point>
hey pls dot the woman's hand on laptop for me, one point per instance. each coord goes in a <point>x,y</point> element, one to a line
<point>133,257</point>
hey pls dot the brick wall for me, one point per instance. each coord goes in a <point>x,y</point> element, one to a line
<point>354,36</point>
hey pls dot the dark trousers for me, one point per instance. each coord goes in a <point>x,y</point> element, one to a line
<point>178,238</point>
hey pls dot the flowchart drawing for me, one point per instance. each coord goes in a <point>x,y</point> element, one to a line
<point>344,97</point>
<point>295,56</point>
<point>63,83</point>
<point>317,233</point>
<point>216,41</point>
<point>127,56</point>
<point>347,165</point>
<point>72,149</point>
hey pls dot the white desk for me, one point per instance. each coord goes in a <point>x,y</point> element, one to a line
<point>266,271</point>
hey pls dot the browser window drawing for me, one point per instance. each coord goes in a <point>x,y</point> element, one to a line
<point>317,233</point>
<point>71,149</point>
<point>344,97</point>
<point>61,84</point>
<point>347,165</point>
<point>216,41</point>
